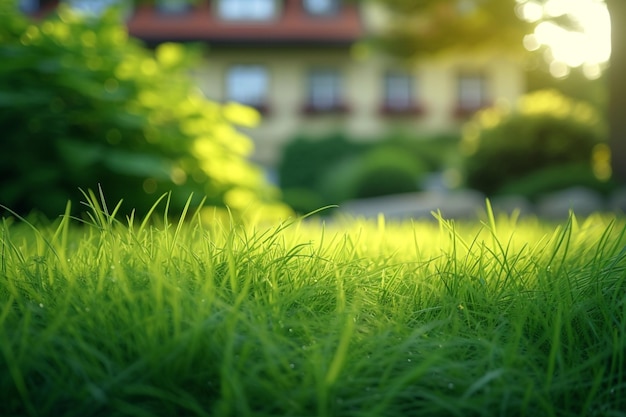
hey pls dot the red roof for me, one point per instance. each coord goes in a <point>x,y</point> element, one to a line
<point>293,25</point>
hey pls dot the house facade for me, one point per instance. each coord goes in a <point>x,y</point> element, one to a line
<point>305,66</point>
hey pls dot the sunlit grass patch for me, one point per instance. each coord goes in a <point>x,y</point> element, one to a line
<point>312,318</point>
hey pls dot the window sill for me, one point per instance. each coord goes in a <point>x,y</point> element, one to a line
<point>339,108</point>
<point>407,111</point>
<point>467,112</point>
<point>248,19</point>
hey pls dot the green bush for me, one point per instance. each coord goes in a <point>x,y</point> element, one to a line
<point>304,167</point>
<point>556,178</point>
<point>435,151</point>
<point>306,159</point>
<point>82,105</point>
<point>387,170</point>
<point>381,171</point>
<point>545,129</point>
<point>315,172</point>
<point>337,184</point>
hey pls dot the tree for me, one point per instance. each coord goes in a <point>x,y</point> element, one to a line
<point>617,88</point>
<point>83,105</point>
<point>426,26</point>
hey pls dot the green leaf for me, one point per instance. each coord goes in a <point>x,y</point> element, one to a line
<point>137,164</point>
<point>24,98</point>
<point>79,154</point>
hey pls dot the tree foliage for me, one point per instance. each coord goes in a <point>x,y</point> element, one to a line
<point>617,88</point>
<point>82,105</point>
<point>426,26</point>
<point>543,131</point>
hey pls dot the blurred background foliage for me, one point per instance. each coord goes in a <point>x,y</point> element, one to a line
<point>83,105</point>
<point>546,142</point>
<point>428,26</point>
<point>318,171</point>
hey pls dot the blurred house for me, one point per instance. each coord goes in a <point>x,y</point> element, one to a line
<point>304,66</point>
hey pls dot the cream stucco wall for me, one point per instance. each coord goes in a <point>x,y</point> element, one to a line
<point>362,77</point>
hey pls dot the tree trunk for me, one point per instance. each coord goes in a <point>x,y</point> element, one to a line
<point>617,89</point>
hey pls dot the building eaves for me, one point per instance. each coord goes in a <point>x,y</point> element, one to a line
<point>292,26</point>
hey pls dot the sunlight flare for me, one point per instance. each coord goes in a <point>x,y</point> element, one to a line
<point>585,45</point>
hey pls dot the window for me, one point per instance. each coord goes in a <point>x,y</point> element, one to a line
<point>247,9</point>
<point>172,6</point>
<point>28,6</point>
<point>472,93</point>
<point>321,7</point>
<point>248,84</point>
<point>324,91</point>
<point>92,7</point>
<point>399,93</point>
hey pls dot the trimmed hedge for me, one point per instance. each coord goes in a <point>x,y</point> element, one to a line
<point>304,167</point>
<point>385,170</point>
<point>544,130</point>
<point>321,171</point>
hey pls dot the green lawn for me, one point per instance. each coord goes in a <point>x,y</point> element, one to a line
<point>348,318</point>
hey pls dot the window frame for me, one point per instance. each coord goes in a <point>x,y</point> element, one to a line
<point>319,101</point>
<point>331,10</point>
<point>251,73</point>
<point>29,6</point>
<point>244,10</point>
<point>93,8</point>
<point>407,105</point>
<point>472,92</point>
<point>172,7</point>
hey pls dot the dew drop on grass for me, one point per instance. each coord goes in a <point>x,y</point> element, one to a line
<point>292,365</point>
<point>41,305</point>
<point>450,385</point>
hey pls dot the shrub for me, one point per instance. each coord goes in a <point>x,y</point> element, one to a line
<point>387,170</point>
<point>81,104</point>
<point>306,159</point>
<point>545,129</point>
<point>556,178</point>
<point>330,170</point>
<point>381,171</point>
<point>434,150</point>
<point>304,169</point>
